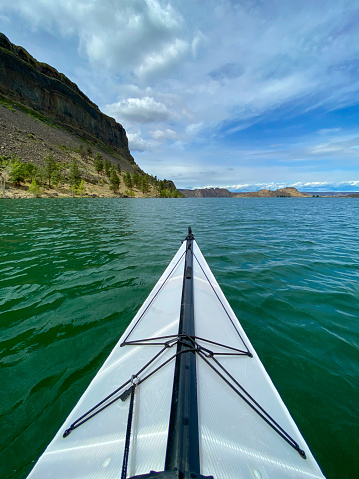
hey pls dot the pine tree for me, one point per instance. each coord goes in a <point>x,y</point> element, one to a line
<point>17,171</point>
<point>144,184</point>
<point>57,178</point>
<point>98,162</point>
<point>50,167</point>
<point>114,181</point>
<point>136,179</point>
<point>40,175</point>
<point>30,171</point>
<point>82,151</point>
<point>75,175</point>
<point>127,180</point>
<point>107,167</point>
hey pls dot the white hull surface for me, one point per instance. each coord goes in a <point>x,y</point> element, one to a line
<point>242,428</point>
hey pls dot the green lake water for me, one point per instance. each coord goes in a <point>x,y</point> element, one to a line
<point>73,273</point>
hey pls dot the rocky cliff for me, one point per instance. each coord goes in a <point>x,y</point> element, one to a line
<point>207,193</point>
<point>45,90</point>
<point>282,192</point>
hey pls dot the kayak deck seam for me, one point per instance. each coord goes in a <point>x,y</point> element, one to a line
<point>252,403</point>
<point>154,297</point>
<point>219,299</point>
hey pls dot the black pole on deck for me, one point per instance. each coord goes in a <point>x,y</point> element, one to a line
<point>183,437</point>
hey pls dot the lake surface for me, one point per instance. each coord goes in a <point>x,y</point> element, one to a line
<point>75,271</point>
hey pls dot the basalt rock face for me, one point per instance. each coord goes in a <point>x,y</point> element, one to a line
<point>45,90</point>
<point>207,193</point>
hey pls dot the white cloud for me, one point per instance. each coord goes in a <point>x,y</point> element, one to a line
<point>323,149</point>
<point>240,62</point>
<point>137,143</point>
<point>328,131</point>
<point>337,146</point>
<point>162,135</point>
<point>193,128</point>
<point>199,42</point>
<point>141,110</point>
<point>327,185</point>
<point>159,63</point>
<point>116,35</point>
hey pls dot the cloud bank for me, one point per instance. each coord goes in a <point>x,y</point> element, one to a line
<point>216,82</point>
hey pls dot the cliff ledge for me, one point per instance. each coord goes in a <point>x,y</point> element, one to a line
<point>50,93</point>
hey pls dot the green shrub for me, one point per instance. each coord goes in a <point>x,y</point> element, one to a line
<point>80,190</point>
<point>35,189</point>
<point>6,104</point>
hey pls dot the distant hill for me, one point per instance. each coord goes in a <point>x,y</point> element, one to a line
<point>224,193</point>
<point>207,193</point>
<point>282,192</point>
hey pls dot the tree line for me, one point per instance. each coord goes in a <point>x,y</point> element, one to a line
<point>51,173</point>
<point>48,174</point>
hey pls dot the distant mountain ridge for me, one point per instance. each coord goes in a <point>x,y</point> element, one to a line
<point>45,90</point>
<point>288,192</point>
<point>224,193</point>
<point>207,193</point>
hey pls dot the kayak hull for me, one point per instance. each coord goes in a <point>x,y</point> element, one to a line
<point>235,397</point>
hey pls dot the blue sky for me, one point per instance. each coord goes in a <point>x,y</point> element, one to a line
<point>242,94</point>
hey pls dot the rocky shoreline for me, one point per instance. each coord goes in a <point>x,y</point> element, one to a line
<point>91,191</point>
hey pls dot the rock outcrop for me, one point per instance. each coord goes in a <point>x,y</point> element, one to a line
<point>45,90</point>
<point>224,193</point>
<point>289,192</point>
<point>207,193</point>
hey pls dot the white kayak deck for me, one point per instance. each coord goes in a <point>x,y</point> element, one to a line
<point>235,442</point>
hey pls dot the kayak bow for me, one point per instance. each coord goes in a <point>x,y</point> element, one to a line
<point>182,395</point>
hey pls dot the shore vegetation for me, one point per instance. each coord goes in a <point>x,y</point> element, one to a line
<point>86,175</point>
